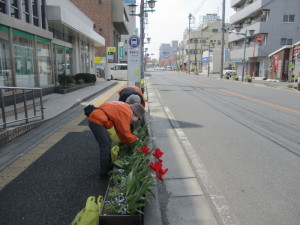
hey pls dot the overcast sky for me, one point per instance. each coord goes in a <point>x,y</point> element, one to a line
<point>170,19</point>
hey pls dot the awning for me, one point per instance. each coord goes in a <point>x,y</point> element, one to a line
<point>73,18</point>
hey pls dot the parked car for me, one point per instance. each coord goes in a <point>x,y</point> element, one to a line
<point>118,72</point>
<point>230,70</point>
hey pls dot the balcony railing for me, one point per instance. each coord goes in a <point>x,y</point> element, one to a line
<point>16,109</point>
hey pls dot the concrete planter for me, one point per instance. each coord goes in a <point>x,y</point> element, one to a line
<point>75,88</point>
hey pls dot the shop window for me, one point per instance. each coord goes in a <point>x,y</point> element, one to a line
<point>5,69</point>
<point>69,64</point>
<point>288,18</point>
<point>60,62</point>
<point>85,58</point>
<point>24,61</point>
<point>44,63</point>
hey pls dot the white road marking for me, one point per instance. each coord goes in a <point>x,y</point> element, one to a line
<point>218,200</point>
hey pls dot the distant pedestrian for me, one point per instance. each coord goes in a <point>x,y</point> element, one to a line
<point>118,115</point>
<point>127,92</point>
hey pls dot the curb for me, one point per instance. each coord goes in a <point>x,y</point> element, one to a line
<point>152,210</point>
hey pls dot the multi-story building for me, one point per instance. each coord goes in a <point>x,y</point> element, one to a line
<point>43,39</point>
<point>193,49</point>
<point>168,51</point>
<point>275,24</point>
<point>111,18</point>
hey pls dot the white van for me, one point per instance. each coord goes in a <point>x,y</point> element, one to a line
<point>118,72</point>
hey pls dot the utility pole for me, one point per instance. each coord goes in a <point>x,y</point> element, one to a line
<point>142,5</point>
<point>189,53</point>
<point>223,40</point>
<point>196,64</point>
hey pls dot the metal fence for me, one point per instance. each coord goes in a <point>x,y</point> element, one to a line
<point>20,104</point>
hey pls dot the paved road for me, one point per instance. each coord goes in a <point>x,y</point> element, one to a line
<point>246,137</point>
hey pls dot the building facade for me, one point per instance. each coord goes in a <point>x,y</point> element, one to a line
<point>168,52</point>
<point>40,40</point>
<point>196,50</point>
<point>111,20</point>
<point>276,23</point>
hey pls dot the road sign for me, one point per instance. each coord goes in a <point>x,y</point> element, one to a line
<point>134,41</point>
<point>260,38</point>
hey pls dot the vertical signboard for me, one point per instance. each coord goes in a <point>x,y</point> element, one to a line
<point>110,53</point>
<point>134,61</point>
<point>121,51</point>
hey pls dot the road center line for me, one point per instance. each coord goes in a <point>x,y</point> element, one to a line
<point>246,97</point>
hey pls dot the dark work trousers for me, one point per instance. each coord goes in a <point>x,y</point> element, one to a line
<point>104,142</point>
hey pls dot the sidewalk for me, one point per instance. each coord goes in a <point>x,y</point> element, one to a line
<point>258,81</point>
<point>55,104</point>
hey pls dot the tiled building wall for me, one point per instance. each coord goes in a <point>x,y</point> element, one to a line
<point>100,12</point>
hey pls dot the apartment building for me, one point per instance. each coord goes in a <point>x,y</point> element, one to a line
<point>274,24</point>
<point>43,39</point>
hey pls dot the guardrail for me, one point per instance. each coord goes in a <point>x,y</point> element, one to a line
<point>15,107</point>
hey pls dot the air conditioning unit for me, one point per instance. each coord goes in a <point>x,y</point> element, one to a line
<point>248,20</point>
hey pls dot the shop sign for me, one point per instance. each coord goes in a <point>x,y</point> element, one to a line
<point>276,58</point>
<point>260,38</point>
<point>111,49</point>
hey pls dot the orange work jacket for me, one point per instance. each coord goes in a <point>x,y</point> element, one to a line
<point>138,90</point>
<point>118,115</point>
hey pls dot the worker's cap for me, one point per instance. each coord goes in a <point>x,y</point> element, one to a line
<point>133,99</point>
<point>138,109</point>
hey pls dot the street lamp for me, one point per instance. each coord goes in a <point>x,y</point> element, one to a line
<point>148,40</point>
<point>251,32</point>
<point>149,7</point>
<point>210,46</point>
<point>189,52</point>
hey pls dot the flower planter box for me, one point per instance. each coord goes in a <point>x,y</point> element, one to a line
<point>119,219</point>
